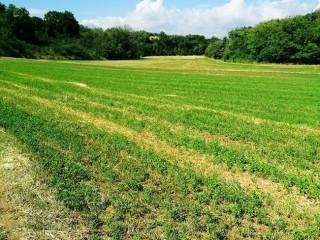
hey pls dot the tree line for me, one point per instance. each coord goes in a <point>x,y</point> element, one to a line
<point>290,40</point>
<point>59,35</point>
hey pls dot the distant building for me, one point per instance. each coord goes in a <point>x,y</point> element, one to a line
<point>154,38</point>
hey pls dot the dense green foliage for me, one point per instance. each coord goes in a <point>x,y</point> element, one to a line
<point>216,49</point>
<point>3,234</point>
<point>216,150</point>
<point>290,40</point>
<point>59,35</point>
<point>62,25</point>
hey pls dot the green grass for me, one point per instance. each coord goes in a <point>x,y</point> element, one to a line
<point>179,148</point>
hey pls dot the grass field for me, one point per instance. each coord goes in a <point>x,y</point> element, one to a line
<point>167,148</point>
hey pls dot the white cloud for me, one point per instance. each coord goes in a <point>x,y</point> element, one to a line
<point>152,15</point>
<point>318,6</point>
<point>37,12</point>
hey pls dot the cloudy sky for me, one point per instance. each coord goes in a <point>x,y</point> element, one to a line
<point>207,17</point>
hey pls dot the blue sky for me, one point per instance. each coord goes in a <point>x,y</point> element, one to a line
<point>207,17</point>
<point>98,8</point>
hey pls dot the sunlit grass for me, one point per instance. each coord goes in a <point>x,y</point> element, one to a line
<point>176,147</point>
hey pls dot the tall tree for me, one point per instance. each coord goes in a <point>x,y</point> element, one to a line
<point>2,8</point>
<point>119,44</point>
<point>294,39</point>
<point>61,24</point>
<point>20,24</point>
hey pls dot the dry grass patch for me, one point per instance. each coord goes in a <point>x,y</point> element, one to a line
<point>29,209</point>
<point>34,77</point>
<point>82,85</point>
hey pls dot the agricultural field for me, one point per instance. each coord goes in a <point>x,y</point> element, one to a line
<point>160,148</point>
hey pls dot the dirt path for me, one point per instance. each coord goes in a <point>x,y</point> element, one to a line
<point>28,208</point>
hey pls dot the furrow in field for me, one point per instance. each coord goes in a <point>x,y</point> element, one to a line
<point>164,109</point>
<point>245,146</point>
<point>15,85</point>
<point>49,80</point>
<point>291,170</point>
<point>202,134</point>
<point>298,133</point>
<point>203,71</point>
<point>152,125</point>
<point>183,86</point>
<point>175,128</point>
<point>158,101</point>
<point>199,162</point>
<point>155,177</point>
<point>166,104</point>
<point>276,146</point>
<point>37,113</point>
<point>169,104</point>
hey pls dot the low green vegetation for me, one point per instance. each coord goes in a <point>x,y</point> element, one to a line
<point>173,148</point>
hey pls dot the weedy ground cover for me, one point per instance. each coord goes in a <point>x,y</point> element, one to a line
<point>174,148</point>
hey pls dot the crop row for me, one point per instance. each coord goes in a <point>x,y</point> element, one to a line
<point>272,96</point>
<point>112,181</point>
<point>300,158</point>
<point>92,156</point>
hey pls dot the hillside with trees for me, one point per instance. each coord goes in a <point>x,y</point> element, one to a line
<point>290,40</point>
<point>59,35</point>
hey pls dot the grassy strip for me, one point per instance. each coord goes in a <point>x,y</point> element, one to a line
<point>126,81</point>
<point>215,193</point>
<point>126,97</point>
<point>223,154</point>
<point>67,175</point>
<point>91,120</point>
<point>143,107</point>
<point>226,155</point>
<point>29,209</point>
<point>191,117</point>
